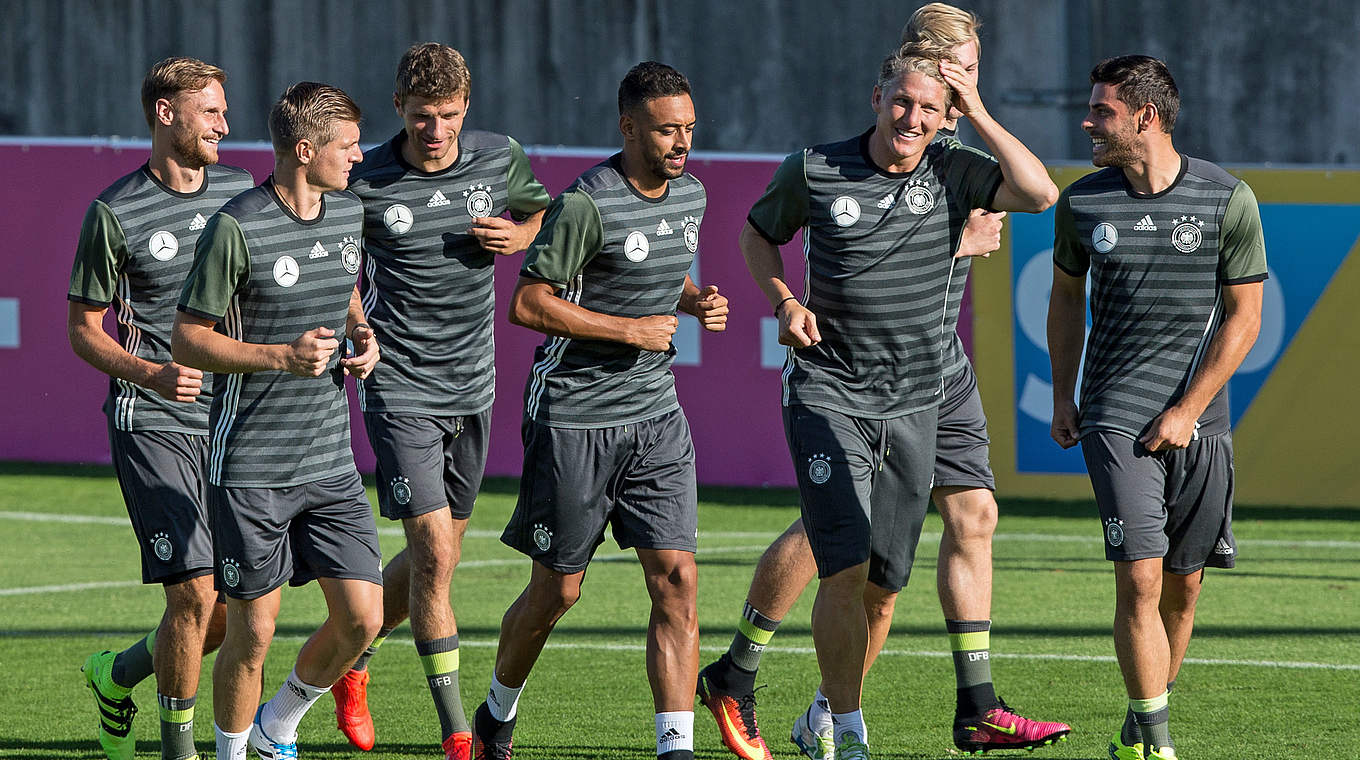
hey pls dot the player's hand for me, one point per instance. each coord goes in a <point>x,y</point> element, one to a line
<point>497,235</point>
<point>1172,429</point>
<point>966,98</point>
<point>981,233</point>
<point>1064,429</point>
<point>310,353</point>
<point>711,309</point>
<point>797,325</point>
<point>365,357</point>
<point>177,382</point>
<point>653,333</point>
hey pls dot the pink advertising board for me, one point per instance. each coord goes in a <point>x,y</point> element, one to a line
<point>50,400</point>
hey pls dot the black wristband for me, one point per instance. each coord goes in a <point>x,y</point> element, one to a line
<point>781,303</point>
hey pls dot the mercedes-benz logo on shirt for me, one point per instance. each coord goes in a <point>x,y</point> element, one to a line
<point>164,245</point>
<point>1104,236</point>
<point>636,247</point>
<point>844,211</point>
<point>285,271</point>
<point>397,218</point>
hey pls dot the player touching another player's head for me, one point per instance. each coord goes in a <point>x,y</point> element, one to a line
<point>1134,102</point>
<point>431,97</point>
<point>316,126</point>
<point>186,107</point>
<point>656,117</point>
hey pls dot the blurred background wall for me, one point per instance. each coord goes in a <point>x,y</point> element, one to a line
<point>1262,81</point>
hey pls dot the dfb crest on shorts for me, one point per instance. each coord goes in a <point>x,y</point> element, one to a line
<point>542,537</point>
<point>478,200</point>
<point>1114,532</point>
<point>919,198</point>
<point>349,255</point>
<point>691,234</point>
<point>401,490</point>
<point>160,544</point>
<point>819,468</point>
<point>1187,235</point>
<point>231,572</point>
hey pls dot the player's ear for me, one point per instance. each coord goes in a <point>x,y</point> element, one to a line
<point>396,103</point>
<point>165,111</point>
<point>1147,116</point>
<point>304,151</point>
<point>627,126</point>
<point>876,99</point>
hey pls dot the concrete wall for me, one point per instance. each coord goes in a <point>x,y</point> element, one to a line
<point>1262,81</point>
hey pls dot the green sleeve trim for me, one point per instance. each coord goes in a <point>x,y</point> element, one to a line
<point>1242,243</point>
<point>783,208</point>
<point>527,196</point>
<point>572,235</point>
<point>221,267</point>
<point>1068,253</point>
<point>101,254</point>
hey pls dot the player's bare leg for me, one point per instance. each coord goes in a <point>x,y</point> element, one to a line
<point>1143,646</point>
<point>672,646</point>
<point>840,630</point>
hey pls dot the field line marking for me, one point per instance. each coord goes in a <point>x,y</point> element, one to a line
<point>391,530</point>
<point>67,587</point>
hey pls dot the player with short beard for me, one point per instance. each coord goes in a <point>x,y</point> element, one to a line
<point>433,198</point>
<point>133,254</point>
<point>1176,257</point>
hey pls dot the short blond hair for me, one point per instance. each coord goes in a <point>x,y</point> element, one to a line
<point>172,76</point>
<point>433,71</point>
<point>942,24</point>
<point>922,58</point>
<point>309,111</point>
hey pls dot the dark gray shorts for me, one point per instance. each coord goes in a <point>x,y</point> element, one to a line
<point>269,536</point>
<point>161,475</point>
<point>1172,504</point>
<point>637,478</point>
<point>427,462</point>
<point>961,455</point>
<point>864,486</point>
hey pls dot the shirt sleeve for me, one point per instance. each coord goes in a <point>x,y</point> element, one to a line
<point>971,173</point>
<point>1068,252</point>
<point>101,253</point>
<point>221,267</point>
<point>783,208</point>
<point>571,235</point>
<point>1242,246</point>
<point>527,195</point>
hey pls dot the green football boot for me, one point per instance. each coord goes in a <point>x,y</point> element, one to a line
<point>115,713</point>
<point>1121,751</point>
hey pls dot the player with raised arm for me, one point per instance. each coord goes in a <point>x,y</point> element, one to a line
<point>135,249</point>
<point>433,199</point>
<point>1173,248</point>
<point>270,297</point>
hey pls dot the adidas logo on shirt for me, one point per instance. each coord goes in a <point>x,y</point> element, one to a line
<point>663,228</point>
<point>438,200</point>
<point>318,251</point>
<point>198,223</point>
<point>1145,224</point>
<point>886,201</point>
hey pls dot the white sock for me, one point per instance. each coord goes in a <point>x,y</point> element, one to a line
<point>850,723</point>
<point>280,716</point>
<point>674,730</point>
<point>231,746</point>
<point>502,701</point>
<point>819,714</point>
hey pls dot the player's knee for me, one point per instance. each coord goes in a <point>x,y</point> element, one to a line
<point>879,603</point>
<point>970,515</point>
<point>674,585</point>
<point>552,597</point>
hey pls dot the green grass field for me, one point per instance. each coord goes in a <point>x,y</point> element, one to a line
<point>1274,669</point>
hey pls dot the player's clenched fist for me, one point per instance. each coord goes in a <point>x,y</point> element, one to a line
<point>653,333</point>
<point>177,382</point>
<point>711,309</point>
<point>310,353</point>
<point>797,325</point>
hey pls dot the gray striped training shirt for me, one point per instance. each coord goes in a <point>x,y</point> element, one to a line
<point>614,251</point>
<point>428,290</point>
<point>879,249</point>
<point>1157,266</point>
<point>135,247</point>
<point>266,276</point>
